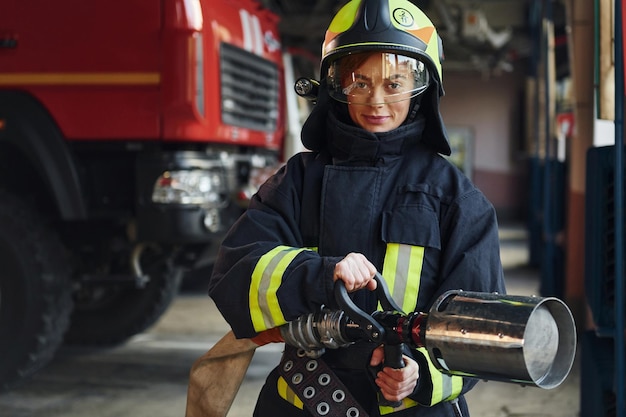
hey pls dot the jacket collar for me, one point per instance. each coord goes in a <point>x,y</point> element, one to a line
<point>353,145</point>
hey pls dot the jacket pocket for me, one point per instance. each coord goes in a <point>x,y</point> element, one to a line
<point>412,225</point>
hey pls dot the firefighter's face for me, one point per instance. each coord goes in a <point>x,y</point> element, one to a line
<point>380,93</point>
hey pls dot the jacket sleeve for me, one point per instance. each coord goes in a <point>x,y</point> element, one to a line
<point>263,276</point>
<point>471,246</point>
<point>470,260</point>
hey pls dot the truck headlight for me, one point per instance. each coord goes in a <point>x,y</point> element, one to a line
<point>193,187</point>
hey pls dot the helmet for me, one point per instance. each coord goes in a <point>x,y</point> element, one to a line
<point>386,25</point>
<point>403,35</point>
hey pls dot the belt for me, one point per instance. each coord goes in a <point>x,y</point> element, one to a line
<point>321,391</point>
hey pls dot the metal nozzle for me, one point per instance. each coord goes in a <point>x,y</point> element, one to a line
<point>528,340</point>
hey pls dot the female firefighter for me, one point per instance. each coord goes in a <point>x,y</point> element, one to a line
<point>372,195</point>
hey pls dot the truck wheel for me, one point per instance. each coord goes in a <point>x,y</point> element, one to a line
<point>109,314</point>
<point>35,292</point>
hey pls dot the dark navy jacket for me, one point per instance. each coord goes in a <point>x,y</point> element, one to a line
<point>414,215</point>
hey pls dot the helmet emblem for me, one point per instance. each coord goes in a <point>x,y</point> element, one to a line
<point>403,17</point>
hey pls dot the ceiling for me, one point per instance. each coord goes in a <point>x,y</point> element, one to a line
<point>490,36</point>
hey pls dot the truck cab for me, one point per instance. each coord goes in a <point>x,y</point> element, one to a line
<point>130,135</point>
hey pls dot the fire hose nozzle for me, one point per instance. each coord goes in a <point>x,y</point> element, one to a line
<point>313,333</point>
<point>521,339</point>
<point>508,338</point>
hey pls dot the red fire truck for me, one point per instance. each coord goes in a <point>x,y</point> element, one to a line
<point>129,131</point>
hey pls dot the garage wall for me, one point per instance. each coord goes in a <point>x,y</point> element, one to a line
<point>491,110</point>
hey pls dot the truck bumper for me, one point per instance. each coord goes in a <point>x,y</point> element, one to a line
<point>175,222</point>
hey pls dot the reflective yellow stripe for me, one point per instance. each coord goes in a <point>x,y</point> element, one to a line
<point>402,270</point>
<point>406,403</point>
<point>416,262</point>
<point>266,278</point>
<point>445,387</point>
<point>81,78</point>
<point>287,393</point>
<point>343,20</point>
<point>433,51</point>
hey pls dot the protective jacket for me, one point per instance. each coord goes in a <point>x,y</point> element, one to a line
<point>414,215</point>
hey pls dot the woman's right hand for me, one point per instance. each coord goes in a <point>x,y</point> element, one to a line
<point>356,272</point>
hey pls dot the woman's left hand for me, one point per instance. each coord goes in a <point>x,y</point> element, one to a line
<point>395,384</point>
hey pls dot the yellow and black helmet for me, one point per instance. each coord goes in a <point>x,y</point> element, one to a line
<point>386,25</point>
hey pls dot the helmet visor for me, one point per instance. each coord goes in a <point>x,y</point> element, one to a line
<point>376,78</point>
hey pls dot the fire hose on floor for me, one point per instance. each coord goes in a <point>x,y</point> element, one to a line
<point>509,338</point>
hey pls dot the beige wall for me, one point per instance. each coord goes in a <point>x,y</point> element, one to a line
<point>493,109</point>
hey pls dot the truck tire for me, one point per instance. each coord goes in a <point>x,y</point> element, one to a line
<point>35,292</point>
<point>112,313</point>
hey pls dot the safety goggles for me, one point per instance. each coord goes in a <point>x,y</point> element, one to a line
<point>376,78</point>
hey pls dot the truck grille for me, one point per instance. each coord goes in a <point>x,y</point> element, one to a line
<point>250,89</point>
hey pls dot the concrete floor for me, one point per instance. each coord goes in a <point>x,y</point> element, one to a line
<point>147,377</point>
